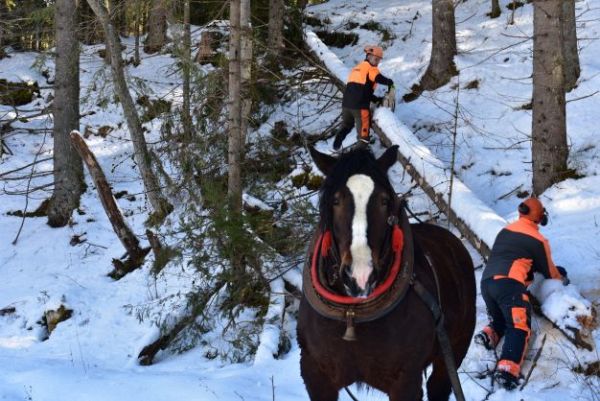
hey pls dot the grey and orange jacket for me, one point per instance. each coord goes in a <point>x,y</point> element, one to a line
<point>361,83</point>
<point>518,251</point>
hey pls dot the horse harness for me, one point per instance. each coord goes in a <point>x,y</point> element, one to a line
<point>385,297</point>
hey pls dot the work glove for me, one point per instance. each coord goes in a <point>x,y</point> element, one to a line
<point>390,98</point>
<point>563,273</point>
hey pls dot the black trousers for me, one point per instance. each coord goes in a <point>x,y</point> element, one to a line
<point>509,310</point>
<point>361,119</point>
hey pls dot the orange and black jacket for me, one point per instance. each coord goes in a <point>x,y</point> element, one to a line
<point>519,251</point>
<point>360,86</point>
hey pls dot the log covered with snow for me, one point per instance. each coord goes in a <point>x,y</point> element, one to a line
<point>567,310</point>
<point>564,307</point>
<point>475,220</point>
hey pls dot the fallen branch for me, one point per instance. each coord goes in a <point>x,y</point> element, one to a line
<point>147,354</point>
<point>27,190</point>
<point>124,233</point>
<point>534,363</point>
<point>4,174</point>
<point>9,310</point>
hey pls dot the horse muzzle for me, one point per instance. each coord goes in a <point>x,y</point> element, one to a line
<point>357,282</point>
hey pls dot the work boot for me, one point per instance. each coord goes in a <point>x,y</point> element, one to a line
<point>506,380</point>
<point>487,338</point>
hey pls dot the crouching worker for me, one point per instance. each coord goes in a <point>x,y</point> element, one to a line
<point>518,251</point>
<point>358,96</point>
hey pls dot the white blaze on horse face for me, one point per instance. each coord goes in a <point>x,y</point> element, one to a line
<point>361,187</point>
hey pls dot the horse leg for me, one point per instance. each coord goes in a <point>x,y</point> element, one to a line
<point>318,385</point>
<point>438,384</point>
<point>407,388</point>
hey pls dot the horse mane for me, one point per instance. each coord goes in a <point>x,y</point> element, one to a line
<point>358,161</point>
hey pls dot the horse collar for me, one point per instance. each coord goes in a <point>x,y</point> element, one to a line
<point>322,249</point>
<point>382,300</point>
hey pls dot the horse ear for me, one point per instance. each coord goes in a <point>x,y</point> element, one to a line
<point>388,158</point>
<point>323,161</point>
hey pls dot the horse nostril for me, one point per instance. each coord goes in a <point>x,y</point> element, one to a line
<point>349,281</point>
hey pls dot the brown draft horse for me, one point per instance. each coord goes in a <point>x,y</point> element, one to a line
<point>390,353</point>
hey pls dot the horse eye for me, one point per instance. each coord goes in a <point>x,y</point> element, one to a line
<point>385,201</point>
<point>336,201</point>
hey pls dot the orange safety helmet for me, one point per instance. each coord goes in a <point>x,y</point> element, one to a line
<point>532,209</point>
<point>374,50</point>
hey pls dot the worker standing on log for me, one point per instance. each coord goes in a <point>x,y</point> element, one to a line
<point>359,94</point>
<point>518,251</point>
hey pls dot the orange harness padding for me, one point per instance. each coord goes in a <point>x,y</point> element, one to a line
<point>323,246</point>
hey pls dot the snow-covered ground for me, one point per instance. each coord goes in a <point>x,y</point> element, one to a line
<point>92,355</point>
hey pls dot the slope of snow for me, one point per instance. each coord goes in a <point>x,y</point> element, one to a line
<point>92,355</point>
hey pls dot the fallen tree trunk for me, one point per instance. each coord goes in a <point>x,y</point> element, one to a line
<point>437,197</point>
<point>124,233</point>
<point>476,222</point>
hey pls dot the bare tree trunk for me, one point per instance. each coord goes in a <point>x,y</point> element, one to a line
<point>443,48</point>
<point>245,70</point>
<point>496,11</point>
<point>157,27</point>
<point>276,15</point>
<point>136,48</point>
<point>235,144</point>
<point>234,183</point>
<point>187,65</point>
<point>570,51</point>
<point>3,15</point>
<point>142,157</point>
<point>68,169</point>
<point>205,52</point>
<point>119,16</point>
<point>124,233</point>
<point>549,131</point>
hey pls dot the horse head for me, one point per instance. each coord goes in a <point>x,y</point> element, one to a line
<point>358,208</point>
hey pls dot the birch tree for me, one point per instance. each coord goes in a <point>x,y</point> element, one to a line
<point>549,131</point>
<point>68,168</point>
<point>140,149</point>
